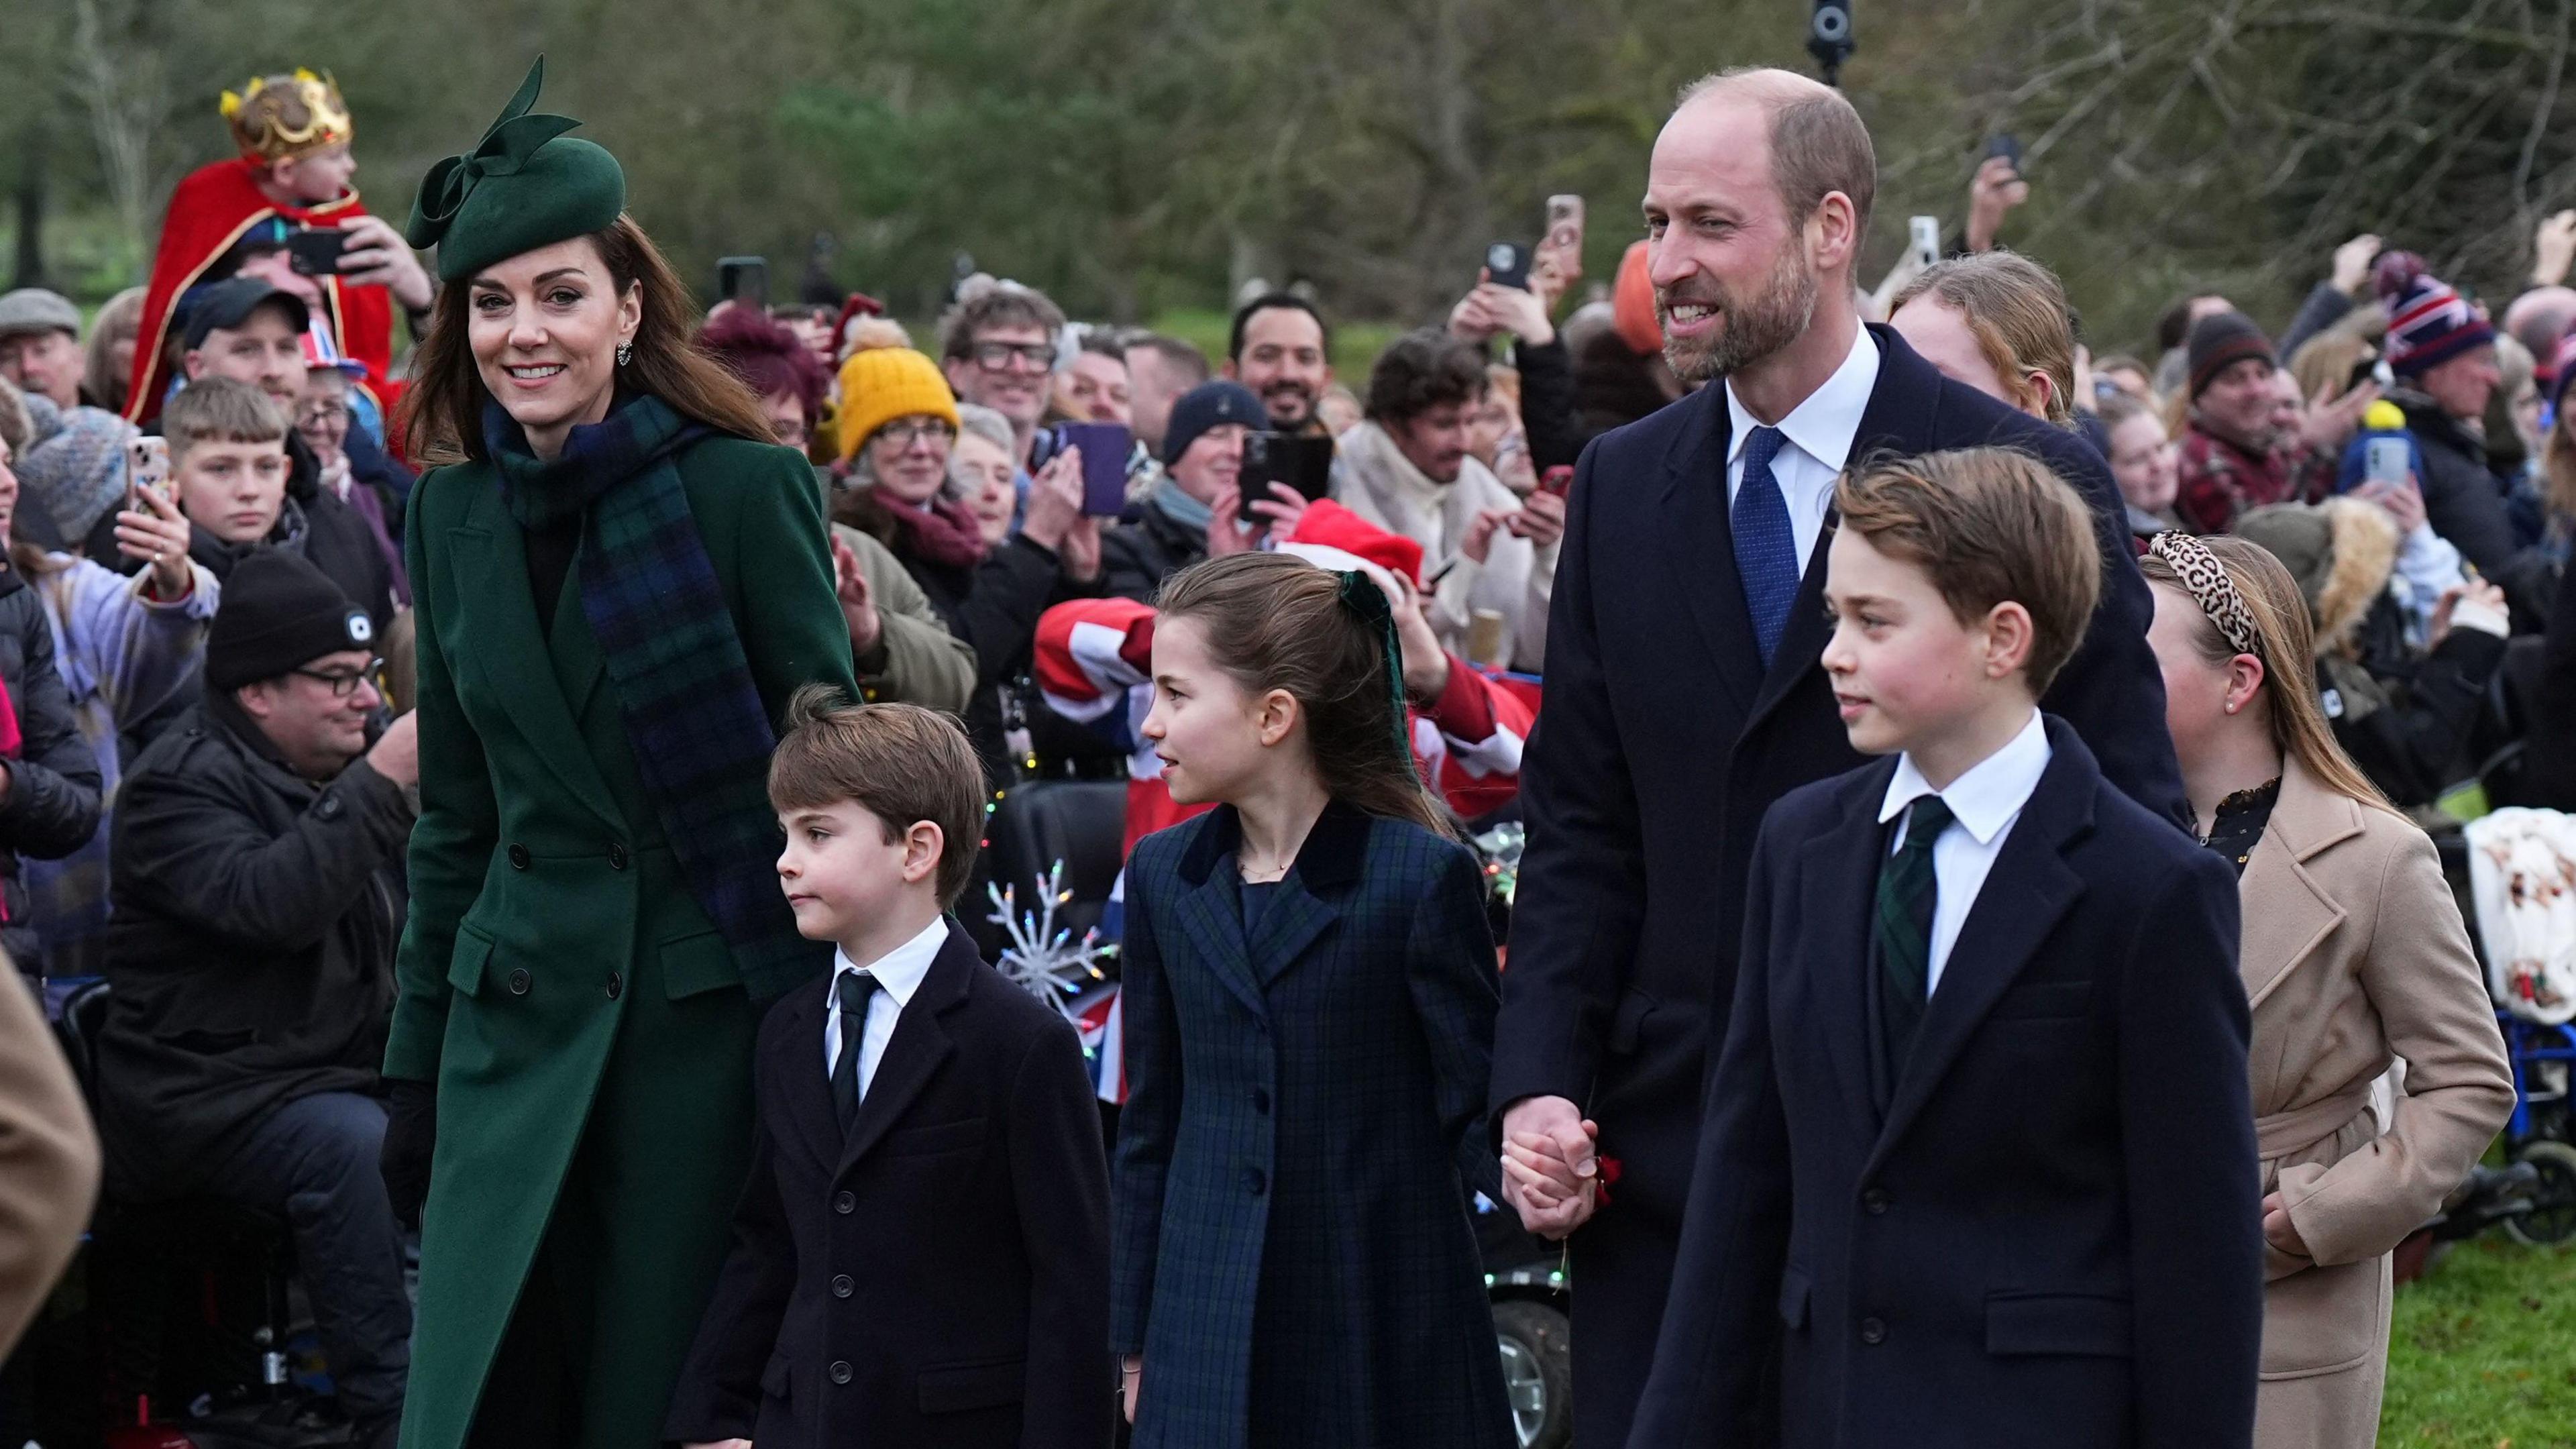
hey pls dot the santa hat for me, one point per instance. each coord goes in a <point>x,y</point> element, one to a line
<point>2429,322</point>
<point>1327,528</point>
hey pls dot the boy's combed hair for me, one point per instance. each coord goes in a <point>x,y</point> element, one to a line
<point>900,762</point>
<point>1275,621</point>
<point>1990,526</point>
<point>221,410</point>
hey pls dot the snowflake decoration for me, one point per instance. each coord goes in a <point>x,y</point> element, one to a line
<point>1043,958</point>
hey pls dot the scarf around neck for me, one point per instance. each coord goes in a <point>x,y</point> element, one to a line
<point>1409,501</point>
<point>701,736</point>
<point>1170,500</point>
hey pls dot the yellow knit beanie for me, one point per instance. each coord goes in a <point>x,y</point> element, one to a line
<point>886,383</point>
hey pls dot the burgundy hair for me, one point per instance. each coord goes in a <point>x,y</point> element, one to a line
<point>765,355</point>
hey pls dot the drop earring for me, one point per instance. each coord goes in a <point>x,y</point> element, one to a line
<point>625,353</point>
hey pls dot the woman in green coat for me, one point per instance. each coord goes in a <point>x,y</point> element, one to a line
<point>617,591</point>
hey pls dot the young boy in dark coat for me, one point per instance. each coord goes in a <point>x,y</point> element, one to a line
<point>1977,1166</point>
<point>922,1256</point>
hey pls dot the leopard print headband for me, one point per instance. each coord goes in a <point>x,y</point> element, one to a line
<point>2206,580</point>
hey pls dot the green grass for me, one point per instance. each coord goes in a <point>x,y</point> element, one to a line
<point>2482,1354</point>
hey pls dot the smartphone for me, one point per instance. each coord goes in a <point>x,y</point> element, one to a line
<point>147,466</point>
<point>1304,464</point>
<point>1558,481</point>
<point>744,280</point>
<point>315,251</point>
<point>2008,146</point>
<point>1105,447</point>
<point>2385,460</point>
<point>1924,239</point>
<point>1565,224</point>
<point>1507,265</point>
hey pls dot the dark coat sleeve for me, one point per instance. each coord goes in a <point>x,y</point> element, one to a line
<point>1713,1350</point>
<point>1150,1119</point>
<point>1062,1182</point>
<point>1449,970</point>
<point>2323,308</point>
<point>189,850</point>
<point>2465,505</point>
<point>2195,1237</point>
<point>53,804</point>
<point>2112,691</point>
<point>1556,430</point>
<point>1013,586</point>
<point>2412,747</point>
<point>718,1395</point>
<point>1574,929</point>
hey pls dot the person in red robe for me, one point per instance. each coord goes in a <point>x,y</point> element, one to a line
<point>231,217</point>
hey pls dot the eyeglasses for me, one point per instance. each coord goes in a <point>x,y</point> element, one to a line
<point>913,430</point>
<point>317,413</point>
<point>1033,356</point>
<point>344,685</point>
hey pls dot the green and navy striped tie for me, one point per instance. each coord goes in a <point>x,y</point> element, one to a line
<point>1907,892</point>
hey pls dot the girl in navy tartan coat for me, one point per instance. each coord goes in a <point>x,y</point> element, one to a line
<point>1309,1004</point>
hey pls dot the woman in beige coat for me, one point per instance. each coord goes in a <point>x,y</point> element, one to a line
<point>2353,956</point>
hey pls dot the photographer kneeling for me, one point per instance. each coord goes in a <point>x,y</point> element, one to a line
<point>257,850</point>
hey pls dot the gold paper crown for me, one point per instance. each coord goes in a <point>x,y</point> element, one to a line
<point>280,116</point>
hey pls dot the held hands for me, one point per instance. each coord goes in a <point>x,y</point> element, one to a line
<point>720,1444</point>
<point>1550,1175</point>
<point>376,256</point>
<point>157,533</point>
<point>857,606</point>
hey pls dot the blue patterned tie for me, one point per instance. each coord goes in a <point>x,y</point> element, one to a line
<point>1766,550</point>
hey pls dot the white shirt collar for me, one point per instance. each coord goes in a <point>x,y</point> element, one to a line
<point>1989,795</point>
<point>899,971</point>
<point>1825,424</point>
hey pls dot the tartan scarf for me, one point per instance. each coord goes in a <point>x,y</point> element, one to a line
<point>701,736</point>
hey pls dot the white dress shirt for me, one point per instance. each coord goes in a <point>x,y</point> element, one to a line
<point>1819,435</point>
<point>898,973</point>
<point>1983,803</point>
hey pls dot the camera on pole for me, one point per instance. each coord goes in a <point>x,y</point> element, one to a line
<point>1829,37</point>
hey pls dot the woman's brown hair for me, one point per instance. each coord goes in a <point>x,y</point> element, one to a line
<point>2558,461</point>
<point>1275,621</point>
<point>441,415</point>
<point>2018,312</point>
<point>2285,642</point>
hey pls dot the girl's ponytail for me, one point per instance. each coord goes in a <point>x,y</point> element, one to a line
<point>1274,621</point>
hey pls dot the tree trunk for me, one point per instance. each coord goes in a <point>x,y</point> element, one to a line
<point>30,269</point>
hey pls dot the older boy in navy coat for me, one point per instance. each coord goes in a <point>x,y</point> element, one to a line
<point>922,1255</point>
<point>1977,1167</point>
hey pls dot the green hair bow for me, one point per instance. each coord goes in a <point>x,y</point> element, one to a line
<point>1361,595</point>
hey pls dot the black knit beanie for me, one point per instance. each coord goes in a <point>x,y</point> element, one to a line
<point>2216,341</point>
<point>280,613</point>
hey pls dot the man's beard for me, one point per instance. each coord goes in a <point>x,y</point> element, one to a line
<point>1747,331</point>
<point>1278,394</point>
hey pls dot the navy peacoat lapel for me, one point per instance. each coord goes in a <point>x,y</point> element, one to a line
<point>2028,890</point>
<point>491,561</point>
<point>920,1043</point>
<point>1304,907</point>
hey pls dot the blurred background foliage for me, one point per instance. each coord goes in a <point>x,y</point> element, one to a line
<point>1141,158</point>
